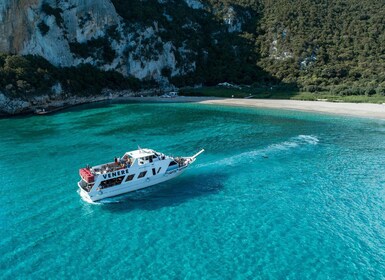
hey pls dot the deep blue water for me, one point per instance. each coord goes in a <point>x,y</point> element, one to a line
<point>277,194</point>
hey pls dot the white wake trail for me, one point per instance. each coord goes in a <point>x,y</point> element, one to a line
<point>294,142</point>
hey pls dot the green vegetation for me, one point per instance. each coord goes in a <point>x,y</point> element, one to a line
<point>99,48</point>
<point>214,91</point>
<point>335,46</point>
<point>22,76</point>
<point>44,28</point>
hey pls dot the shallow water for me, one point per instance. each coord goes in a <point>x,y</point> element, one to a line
<point>277,194</point>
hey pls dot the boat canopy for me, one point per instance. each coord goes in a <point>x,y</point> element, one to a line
<point>141,153</point>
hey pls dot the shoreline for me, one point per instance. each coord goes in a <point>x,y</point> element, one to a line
<point>363,110</point>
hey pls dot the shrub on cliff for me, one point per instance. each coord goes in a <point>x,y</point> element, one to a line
<point>29,75</point>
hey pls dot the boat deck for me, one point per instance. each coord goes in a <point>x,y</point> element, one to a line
<point>109,167</point>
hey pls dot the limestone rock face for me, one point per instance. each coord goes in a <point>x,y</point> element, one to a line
<point>194,4</point>
<point>157,42</point>
<point>12,106</point>
<point>60,31</point>
<point>15,29</point>
<point>65,22</point>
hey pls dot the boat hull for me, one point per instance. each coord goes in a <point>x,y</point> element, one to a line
<point>127,187</point>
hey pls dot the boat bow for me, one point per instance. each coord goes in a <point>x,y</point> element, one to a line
<point>191,159</point>
<point>198,153</point>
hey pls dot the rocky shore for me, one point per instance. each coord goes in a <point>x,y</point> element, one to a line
<point>48,103</point>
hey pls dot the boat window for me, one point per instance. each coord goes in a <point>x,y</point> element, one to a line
<point>159,169</point>
<point>111,182</point>
<point>153,171</point>
<point>172,163</point>
<point>130,177</point>
<point>142,174</point>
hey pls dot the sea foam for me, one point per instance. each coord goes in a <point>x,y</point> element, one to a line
<point>292,143</point>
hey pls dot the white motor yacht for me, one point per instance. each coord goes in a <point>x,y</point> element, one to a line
<point>133,171</point>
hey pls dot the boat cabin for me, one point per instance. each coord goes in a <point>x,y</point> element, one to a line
<point>144,156</point>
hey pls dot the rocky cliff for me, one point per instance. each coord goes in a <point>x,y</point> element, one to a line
<point>145,39</point>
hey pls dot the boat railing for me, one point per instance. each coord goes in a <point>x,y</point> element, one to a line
<point>111,167</point>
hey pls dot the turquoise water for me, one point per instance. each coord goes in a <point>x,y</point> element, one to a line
<point>277,194</point>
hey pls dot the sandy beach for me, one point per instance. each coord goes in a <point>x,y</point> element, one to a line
<point>365,110</point>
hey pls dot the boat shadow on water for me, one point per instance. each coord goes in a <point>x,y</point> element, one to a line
<point>171,193</point>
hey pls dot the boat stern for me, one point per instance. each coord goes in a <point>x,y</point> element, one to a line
<point>84,194</point>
